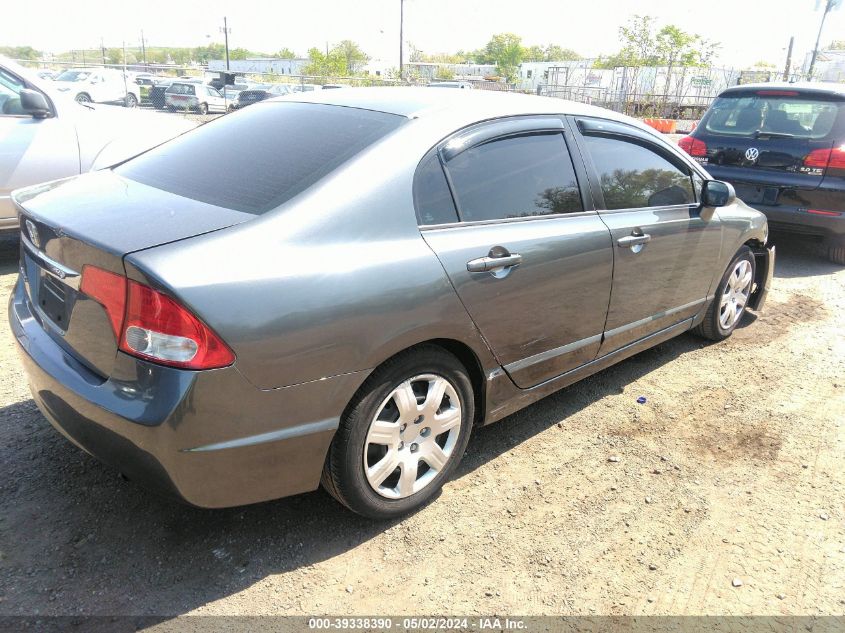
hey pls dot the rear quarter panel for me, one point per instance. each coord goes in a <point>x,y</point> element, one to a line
<point>336,281</point>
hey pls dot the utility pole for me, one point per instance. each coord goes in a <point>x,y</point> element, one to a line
<point>829,4</point>
<point>788,59</point>
<point>225,30</point>
<point>103,51</point>
<point>143,49</point>
<point>401,38</point>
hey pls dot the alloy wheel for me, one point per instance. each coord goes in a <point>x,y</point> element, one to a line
<point>412,436</point>
<point>735,295</point>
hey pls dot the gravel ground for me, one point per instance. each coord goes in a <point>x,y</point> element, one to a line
<point>584,503</point>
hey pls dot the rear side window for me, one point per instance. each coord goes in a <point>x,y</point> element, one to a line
<point>770,111</point>
<point>274,151</point>
<point>432,198</point>
<point>633,176</point>
<point>515,177</point>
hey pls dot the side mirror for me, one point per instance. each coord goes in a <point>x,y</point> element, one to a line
<point>715,193</point>
<point>35,103</point>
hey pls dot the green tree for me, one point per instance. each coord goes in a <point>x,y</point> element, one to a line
<point>324,65</point>
<point>445,73</point>
<point>504,50</point>
<point>286,53</point>
<point>238,53</point>
<point>20,52</point>
<point>354,58</point>
<point>549,53</point>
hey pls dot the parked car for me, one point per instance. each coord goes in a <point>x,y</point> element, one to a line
<point>47,75</point>
<point>305,87</point>
<point>156,94</point>
<point>194,96</point>
<point>145,86</point>
<point>363,277</point>
<point>98,85</point>
<point>45,134</point>
<point>260,92</point>
<point>782,146</point>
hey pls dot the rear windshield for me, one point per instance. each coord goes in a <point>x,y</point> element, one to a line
<point>181,89</point>
<point>73,75</point>
<point>761,113</point>
<point>273,151</point>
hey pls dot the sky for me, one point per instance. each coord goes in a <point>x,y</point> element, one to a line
<point>749,30</point>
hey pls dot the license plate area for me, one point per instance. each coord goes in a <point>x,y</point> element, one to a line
<point>54,299</point>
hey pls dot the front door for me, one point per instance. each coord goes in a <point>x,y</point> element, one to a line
<point>532,266</point>
<point>664,250</point>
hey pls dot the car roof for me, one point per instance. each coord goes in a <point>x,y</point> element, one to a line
<point>805,87</point>
<point>418,102</point>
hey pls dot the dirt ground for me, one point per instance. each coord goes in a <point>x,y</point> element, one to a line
<point>732,470</point>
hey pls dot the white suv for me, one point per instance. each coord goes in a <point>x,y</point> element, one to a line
<point>98,85</point>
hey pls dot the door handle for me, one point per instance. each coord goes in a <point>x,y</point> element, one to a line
<point>485,264</point>
<point>630,241</point>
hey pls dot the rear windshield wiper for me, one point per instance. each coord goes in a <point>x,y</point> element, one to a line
<point>760,133</point>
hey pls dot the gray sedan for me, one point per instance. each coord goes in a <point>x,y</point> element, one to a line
<point>362,278</point>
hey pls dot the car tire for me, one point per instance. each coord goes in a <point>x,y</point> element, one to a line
<point>836,252</point>
<point>203,109</point>
<point>730,302</point>
<point>83,97</point>
<point>131,101</point>
<point>382,462</point>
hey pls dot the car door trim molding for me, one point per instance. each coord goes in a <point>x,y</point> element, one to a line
<point>548,355</point>
<point>610,334</point>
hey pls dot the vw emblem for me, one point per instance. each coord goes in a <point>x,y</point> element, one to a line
<point>33,233</point>
<point>752,154</point>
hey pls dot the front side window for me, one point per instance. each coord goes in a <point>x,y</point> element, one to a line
<point>633,176</point>
<point>515,177</point>
<point>10,91</point>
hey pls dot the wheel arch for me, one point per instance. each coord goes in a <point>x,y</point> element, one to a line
<point>460,350</point>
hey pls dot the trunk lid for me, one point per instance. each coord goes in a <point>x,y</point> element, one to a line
<point>96,220</point>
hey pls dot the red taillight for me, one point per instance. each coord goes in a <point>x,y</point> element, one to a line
<point>109,290</point>
<point>149,324</point>
<point>826,158</point>
<point>693,146</point>
<point>822,212</point>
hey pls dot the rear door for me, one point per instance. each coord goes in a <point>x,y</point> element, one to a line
<point>529,258</point>
<point>665,253</point>
<point>764,141</point>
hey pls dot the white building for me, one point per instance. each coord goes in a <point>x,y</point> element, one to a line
<point>830,65</point>
<point>260,66</point>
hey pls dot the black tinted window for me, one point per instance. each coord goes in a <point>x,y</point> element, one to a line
<point>515,177</point>
<point>633,176</point>
<point>431,194</point>
<point>773,112</point>
<point>274,151</point>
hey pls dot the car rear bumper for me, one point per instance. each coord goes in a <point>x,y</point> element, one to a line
<point>798,221</point>
<point>209,438</point>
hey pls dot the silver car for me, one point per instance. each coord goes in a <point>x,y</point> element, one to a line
<point>194,96</point>
<point>45,134</point>
<point>360,280</point>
